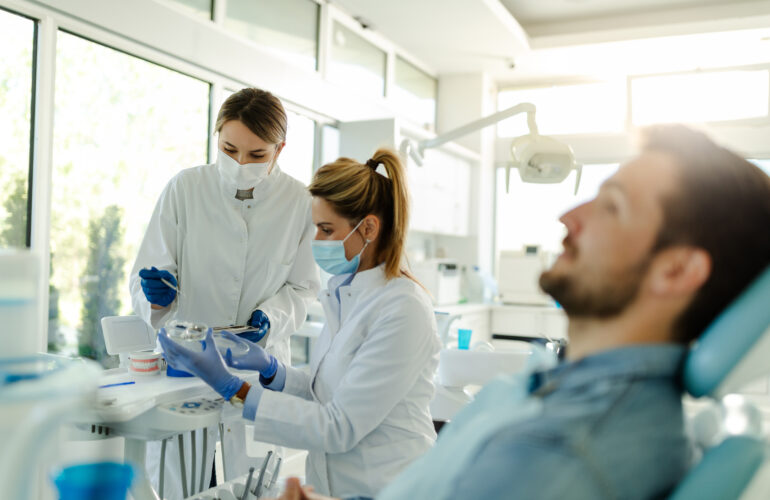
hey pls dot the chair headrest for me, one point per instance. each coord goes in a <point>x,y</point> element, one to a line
<point>734,349</point>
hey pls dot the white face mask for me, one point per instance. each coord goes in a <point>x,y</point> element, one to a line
<point>244,176</point>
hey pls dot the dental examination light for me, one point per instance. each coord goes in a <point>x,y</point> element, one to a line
<point>538,158</point>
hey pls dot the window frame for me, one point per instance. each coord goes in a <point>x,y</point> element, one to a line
<point>32,117</point>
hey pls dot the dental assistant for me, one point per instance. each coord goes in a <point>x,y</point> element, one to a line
<point>362,411</point>
<point>234,238</point>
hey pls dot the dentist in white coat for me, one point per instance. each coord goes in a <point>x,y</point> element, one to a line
<point>362,411</point>
<point>234,238</point>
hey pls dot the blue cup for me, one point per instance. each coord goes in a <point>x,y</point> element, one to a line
<point>100,480</point>
<point>464,338</point>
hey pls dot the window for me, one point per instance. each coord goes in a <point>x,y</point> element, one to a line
<point>700,97</point>
<point>568,109</point>
<point>288,29</point>
<point>356,63</point>
<point>414,94</point>
<point>330,144</point>
<point>199,8</point>
<point>763,164</point>
<point>16,54</point>
<point>123,128</point>
<point>297,157</point>
<point>529,213</point>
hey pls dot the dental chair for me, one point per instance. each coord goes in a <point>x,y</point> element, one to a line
<point>732,352</point>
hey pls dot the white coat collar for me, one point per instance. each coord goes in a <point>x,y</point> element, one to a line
<point>229,189</point>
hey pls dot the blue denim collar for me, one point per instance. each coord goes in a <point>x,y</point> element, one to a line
<point>636,361</point>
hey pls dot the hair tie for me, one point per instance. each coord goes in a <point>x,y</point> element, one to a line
<point>373,164</point>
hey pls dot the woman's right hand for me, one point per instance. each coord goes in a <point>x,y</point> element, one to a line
<point>256,358</point>
<point>155,286</point>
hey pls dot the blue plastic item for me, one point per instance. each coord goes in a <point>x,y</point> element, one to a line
<point>28,368</point>
<point>724,472</point>
<point>95,481</point>
<point>173,372</point>
<point>464,338</point>
<point>729,337</point>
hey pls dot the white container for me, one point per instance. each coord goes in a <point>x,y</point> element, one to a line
<point>441,277</point>
<point>19,305</point>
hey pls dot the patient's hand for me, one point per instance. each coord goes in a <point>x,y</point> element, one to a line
<point>295,491</point>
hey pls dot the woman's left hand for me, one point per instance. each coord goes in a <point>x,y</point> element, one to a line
<point>207,364</point>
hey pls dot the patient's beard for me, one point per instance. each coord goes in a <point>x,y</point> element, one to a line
<point>601,297</point>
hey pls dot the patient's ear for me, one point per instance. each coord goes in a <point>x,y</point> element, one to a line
<point>679,270</point>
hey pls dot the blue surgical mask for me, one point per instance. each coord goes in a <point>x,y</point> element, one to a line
<point>330,255</point>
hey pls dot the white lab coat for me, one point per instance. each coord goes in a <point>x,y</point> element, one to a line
<point>362,411</point>
<point>230,257</point>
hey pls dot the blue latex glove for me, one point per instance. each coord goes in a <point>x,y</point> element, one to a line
<point>207,365</point>
<point>154,289</point>
<point>255,359</point>
<point>259,321</point>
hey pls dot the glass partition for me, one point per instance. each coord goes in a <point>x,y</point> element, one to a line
<point>567,109</point>
<point>356,63</point>
<point>199,8</point>
<point>288,29</point>
<point>414,93</point>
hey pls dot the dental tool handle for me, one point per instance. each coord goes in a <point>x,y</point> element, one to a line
<point>258,489</point>
<point>274,477</point>
<point>168,284</point>
<point>248,484</point>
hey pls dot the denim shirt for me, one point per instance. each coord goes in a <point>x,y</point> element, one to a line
<point>609,426</point>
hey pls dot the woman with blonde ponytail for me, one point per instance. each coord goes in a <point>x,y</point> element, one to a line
<point>362,410</point>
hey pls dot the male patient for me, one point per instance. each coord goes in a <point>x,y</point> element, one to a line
<point>669,241</point>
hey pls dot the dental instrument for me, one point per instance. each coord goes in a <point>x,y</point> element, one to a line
<point>248,484</point>
<point>168,284</point>
<point>116,385</point>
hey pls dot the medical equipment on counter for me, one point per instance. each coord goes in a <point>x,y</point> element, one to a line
<point>519,274</point>
<point>538,158</point>
<point>38,394</point>
<point>127,334</point>
<point>245,487</point>
<point>19,298</point>
<point>730,353</point>
<point>158,408</point>
<point>441,277</point>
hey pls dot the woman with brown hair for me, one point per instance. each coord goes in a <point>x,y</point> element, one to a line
<point>362,411</point>
<point>233,238</point>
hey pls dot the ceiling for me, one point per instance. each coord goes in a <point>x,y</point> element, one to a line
<point>530,41</point>
<point>532,13</point>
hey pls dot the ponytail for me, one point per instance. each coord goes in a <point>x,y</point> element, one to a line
<point>356,190</point>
